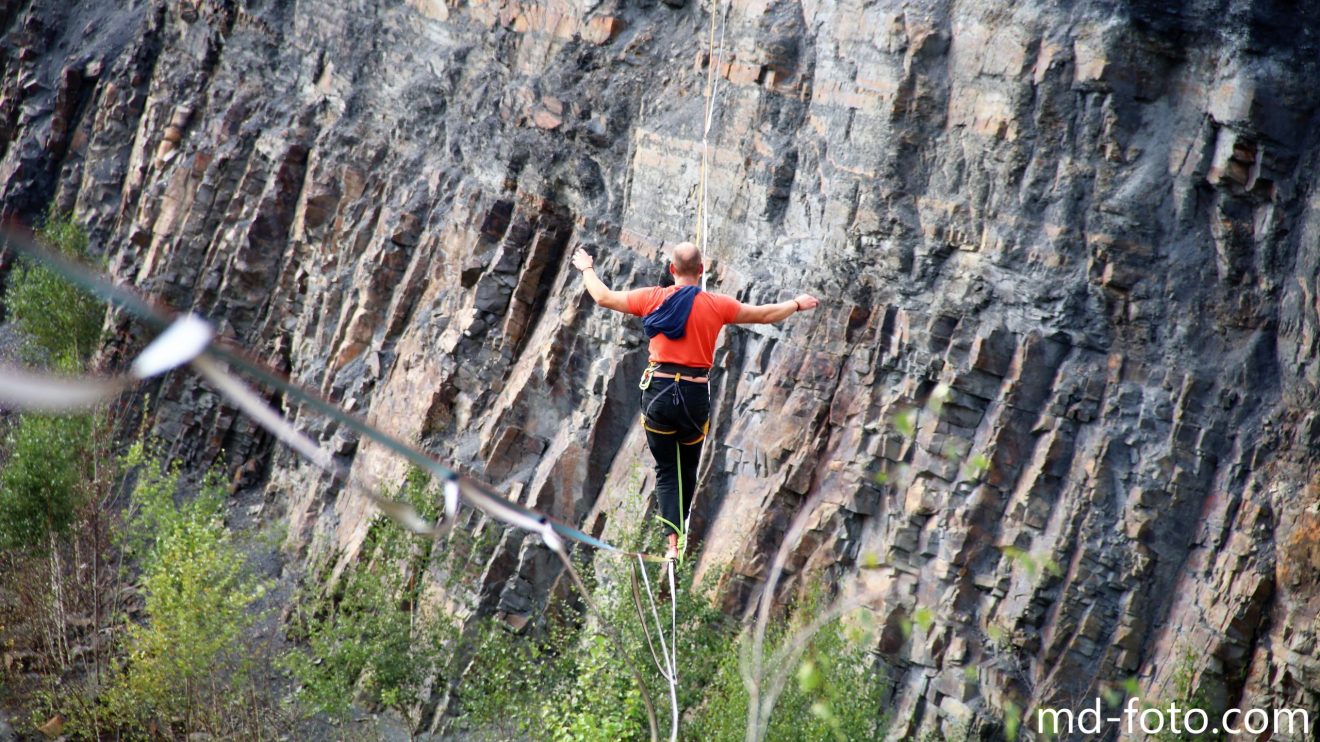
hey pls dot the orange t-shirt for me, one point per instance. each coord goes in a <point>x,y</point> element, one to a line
<point>710,313</point>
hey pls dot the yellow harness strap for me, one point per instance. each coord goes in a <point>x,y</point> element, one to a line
<point>647,425</point>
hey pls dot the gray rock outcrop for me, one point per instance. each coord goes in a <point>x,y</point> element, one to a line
<point>1096,221</point>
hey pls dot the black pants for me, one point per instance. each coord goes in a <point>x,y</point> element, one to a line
<point>676,416</point>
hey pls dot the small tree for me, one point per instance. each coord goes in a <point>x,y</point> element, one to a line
<point>375,642</point>
<point>41,488</point>
<point>186,666</point>
<point>49,473</point>
<point>61,320</point>
<point>43,482</point>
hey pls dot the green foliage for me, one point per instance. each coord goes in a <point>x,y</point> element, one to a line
<point>602,703</point>
<point>574,687</point>
<point>370,643</point>
<point>186,666</point>
<point>375,640</point>
<point>568,683</point>
<point>1032,565</point>
<point>47,474</point>
<point>44,480</point>
<point>157,492</point>
<point>600,693</point>
<point>836,692</point>
<point>564,679</point>
<point>1186,697</point>
<point>62,321</point>
<point>921,619</point>
<point>509,677</point>
<point>1012,720</point>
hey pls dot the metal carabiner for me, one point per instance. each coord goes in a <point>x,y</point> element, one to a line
<point>647,375</point>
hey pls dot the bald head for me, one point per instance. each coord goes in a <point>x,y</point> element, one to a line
<point>687,260</point>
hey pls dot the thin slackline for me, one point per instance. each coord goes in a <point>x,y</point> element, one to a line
<point>664,666</point>
<point>673,650</point>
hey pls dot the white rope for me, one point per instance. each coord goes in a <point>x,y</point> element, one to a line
<point>664,647</point>
<point>673,618</point>
<point>712,93</point>
<point>646,626</point>
<point>669,671</point>
<point>181,342</point>
<point>452,497</point>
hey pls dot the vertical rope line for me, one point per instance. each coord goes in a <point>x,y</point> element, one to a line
<point>705,131</point>
<point>673,618</point>
<point>669,650</point>
<point>641,613</point>
<point>712,91</point>
<point>673,648</point>
<point>655,612</point>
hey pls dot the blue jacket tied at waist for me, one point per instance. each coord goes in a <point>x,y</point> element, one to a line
<point>672,315</point>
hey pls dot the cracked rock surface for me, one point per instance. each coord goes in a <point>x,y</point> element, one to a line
<point>1096,221</point>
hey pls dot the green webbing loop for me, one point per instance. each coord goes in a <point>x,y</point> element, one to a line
<point>682,521</point>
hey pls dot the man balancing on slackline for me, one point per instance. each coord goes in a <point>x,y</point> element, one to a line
<point>682,322</point>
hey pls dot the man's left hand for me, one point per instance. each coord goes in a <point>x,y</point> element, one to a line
<point>582,260</point>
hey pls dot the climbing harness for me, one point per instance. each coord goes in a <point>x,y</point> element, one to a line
<point>206,354</point>
<point>216,360</point>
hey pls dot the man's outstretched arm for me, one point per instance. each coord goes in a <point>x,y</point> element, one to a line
<point>604,296</point>
<point>767,313</point>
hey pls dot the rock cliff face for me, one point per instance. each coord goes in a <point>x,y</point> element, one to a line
<point>1097,222</point>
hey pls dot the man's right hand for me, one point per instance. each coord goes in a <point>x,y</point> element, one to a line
<point>582,260</point>
<point>806,301</point>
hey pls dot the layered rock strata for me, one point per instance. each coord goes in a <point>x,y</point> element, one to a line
<point>1096,222</point>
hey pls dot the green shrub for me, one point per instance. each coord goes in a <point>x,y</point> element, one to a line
<point>367,643</point>
<point>374,640</point>
<point>573,686</point>
<point>47,472</point>
<point>1187,697</point>
<point>62,321</point>
<point>508,677</point>
<point>837,691</point>
<point>44,480</point>
<point>155,504</point>
<point>564,679</point>
<point>602,703</point>
<point>187,667</point>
